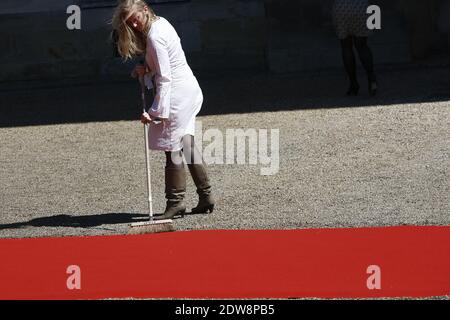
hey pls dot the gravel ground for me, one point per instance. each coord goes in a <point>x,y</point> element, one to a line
<point>72,160</point>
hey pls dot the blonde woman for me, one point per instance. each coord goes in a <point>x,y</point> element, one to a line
<point>177,101</point>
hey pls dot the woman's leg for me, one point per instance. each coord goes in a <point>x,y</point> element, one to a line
<point>198,172</point>
<point>191,153</point>
<point>366,57</point>
<point>174,159</point>
<point>348,57</point>
<point>175,185</point>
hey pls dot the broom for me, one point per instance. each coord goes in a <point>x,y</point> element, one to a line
<point>151,226</point>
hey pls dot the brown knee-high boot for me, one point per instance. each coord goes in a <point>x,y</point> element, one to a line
<point>201,180</point>
<point>175,180</point>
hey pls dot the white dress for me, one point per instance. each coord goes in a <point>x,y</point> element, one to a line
<point>178,96</point>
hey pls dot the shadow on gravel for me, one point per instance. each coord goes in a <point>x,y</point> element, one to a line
<point>64,220</point>
<point>87,221</point>
<point>77,101</point>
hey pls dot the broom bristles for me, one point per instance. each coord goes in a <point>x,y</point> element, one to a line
<point>151,227</point>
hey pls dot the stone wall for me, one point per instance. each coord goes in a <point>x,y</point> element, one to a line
<point>302,37</point>
<point>217,35</point>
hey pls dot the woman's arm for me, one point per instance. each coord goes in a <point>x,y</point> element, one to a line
<point>157,52</point>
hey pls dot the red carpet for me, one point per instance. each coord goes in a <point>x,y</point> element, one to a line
<point>413,261</point>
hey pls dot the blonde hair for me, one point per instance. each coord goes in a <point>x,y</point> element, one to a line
<point>129,43</point>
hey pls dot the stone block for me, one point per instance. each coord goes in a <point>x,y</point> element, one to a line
<point>201,10</point>
<point>190,34</point>
<point>250,8</point>
<point>231,33</point>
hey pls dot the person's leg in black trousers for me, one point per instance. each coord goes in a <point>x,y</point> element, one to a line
<point>349,59</point>
<point>366,57</point>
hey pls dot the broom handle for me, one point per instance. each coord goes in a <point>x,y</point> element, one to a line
<point>147,153</point>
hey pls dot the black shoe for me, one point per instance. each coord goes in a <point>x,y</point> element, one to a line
<point>172,210</point>
<point>373,88</point>
<point>373,84</point>
<point>205,208</point>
